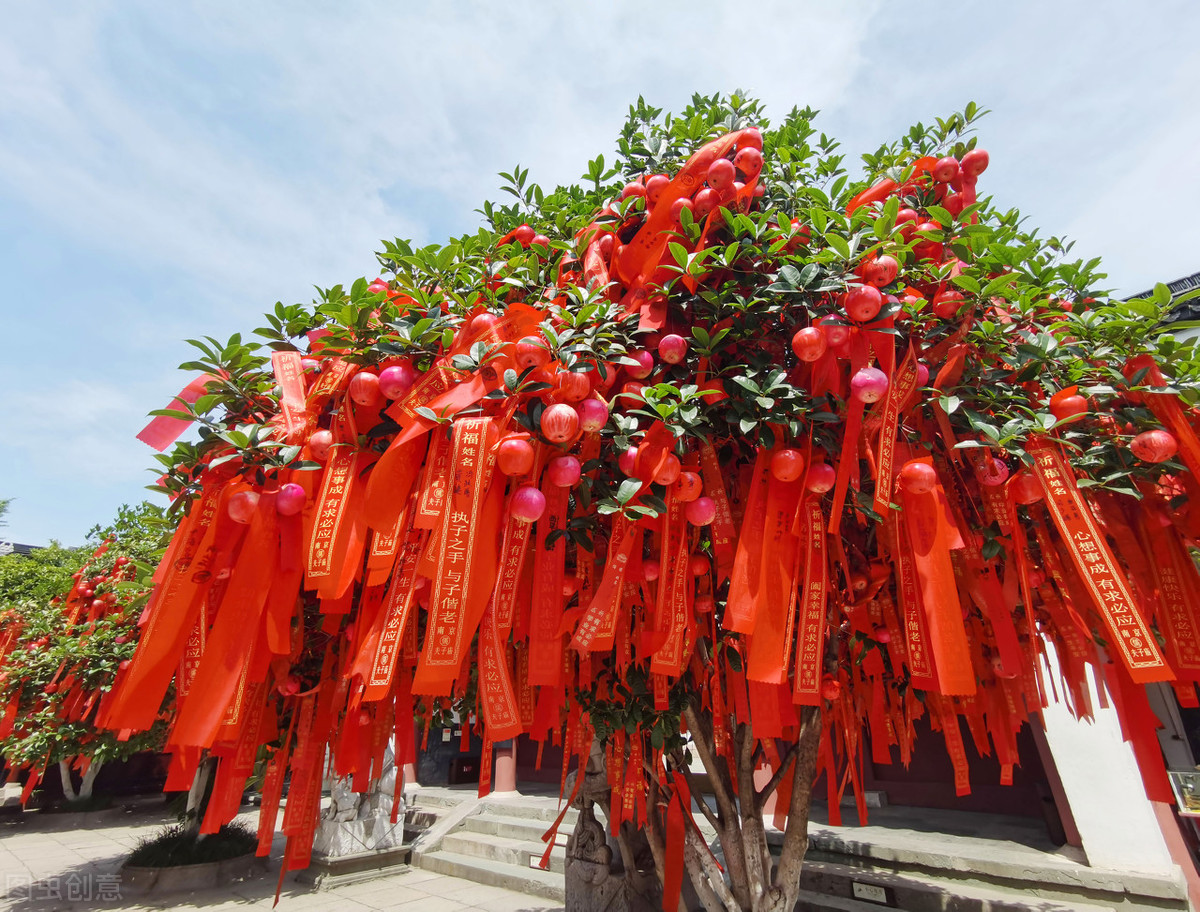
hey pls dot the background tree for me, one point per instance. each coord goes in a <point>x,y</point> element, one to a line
<point>746,459</point>
<point>70,620</point>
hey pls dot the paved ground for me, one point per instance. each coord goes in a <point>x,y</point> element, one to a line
<point>71,862</point>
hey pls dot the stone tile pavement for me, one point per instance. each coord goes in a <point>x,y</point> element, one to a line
<point>52,862</point>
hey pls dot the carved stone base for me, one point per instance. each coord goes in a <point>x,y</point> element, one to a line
<point>597,877</point>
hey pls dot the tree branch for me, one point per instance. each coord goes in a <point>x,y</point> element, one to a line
<point>777,776</point>
<point>795,837</point>
<point>713,879</point>
<point>729,830</point>
<point>702,738</point>
<point>68,786</point>
<point>653,831</point>
<point>754,834</point>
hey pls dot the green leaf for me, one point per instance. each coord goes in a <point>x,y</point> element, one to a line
<point>628,490</point>
<point>967,282</point>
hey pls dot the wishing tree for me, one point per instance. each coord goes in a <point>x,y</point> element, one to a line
<point>719,453</point>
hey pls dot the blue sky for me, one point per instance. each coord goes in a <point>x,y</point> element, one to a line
<point>171,170</point>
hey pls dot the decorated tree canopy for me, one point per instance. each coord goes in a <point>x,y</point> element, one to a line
<point>63,637</point>
<point>720,451</point>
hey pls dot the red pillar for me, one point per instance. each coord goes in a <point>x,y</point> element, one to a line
<point>504,770</point>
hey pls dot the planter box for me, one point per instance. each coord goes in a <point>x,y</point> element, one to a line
<point>190,877</point>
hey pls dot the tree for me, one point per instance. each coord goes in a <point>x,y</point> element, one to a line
<point>719,452</point>
<point>70,619</point>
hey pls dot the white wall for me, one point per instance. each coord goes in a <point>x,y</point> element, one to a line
<point>1100,776</point>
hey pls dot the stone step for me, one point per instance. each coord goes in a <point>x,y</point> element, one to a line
<point>1008,868</point>
<point>536,808</point>
<point>530,881</point>
<point>427,799</point>
<point>808,901</point>
<point>525,828</point>
<point>916,893</point>
<point>520,852</point>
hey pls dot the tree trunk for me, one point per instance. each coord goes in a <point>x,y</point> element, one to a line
<point>785,884</point>
<point>89,779</point>
<point>68,786</point>
<point>754,886</point>
<point>197,794</point>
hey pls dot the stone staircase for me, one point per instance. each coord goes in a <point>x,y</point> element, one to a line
<point>498,841</point>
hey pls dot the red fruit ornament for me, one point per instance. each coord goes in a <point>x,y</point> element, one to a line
<point>869,384</point>
<point>992,472</point>
<point>810,344</point>
<point>678,206</point>
<point>945,170</point>
<point>627,461</point>
<point>1068,407</point>
<point>632,390</point>
<point>701,511</point>
<point>524,235</point>
<point>644,366</point>
<point>922,374</point>
<point>515,456</point>
<point>787,464</point>
<point>319,444</point>
<point>946,304</point>
<point>668,473</point>
<point>927,248</point>
<point>699,564</point>
<point>532,352</point>
<point>882,634</point>
<point>291,499</point>
<point>906,221</point>
<point>655,185</point>
<point>821,478</point>
<point>721,174</point>
<point>672,348</point>
<point>1025,488</point>
<point>572,386</point>
<point>706,201</point>
<point>917,477</point>
<point>481,323</point>
<point>713,391</point>
<point>651,570</point>
<point>560,423</point>
<point>396,380</point>
<point>863,303</point>
<point>1154,446</point>
<point>310,365</point>
<point>593,415</point>
<point>881,271</point>
<point>242,506</point>
<point>975,162</point>
<point>836,334</point>
<point>831,688</point>
<point>633,188</point>
<point>364,388</point>
<point>749,161</point>
<point>688,486</point>
<point>528,504</point>
<point>564,471</point>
